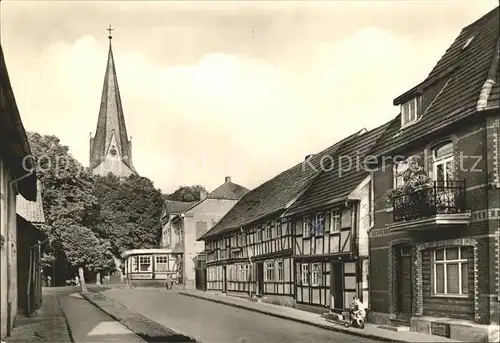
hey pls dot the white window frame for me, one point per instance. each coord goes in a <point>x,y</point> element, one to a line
<point>269,269</point>
<point>306,230</point>
<point>398,170</point>
<point>460,261</point>
<point>335,220</point>
<point>157,263</point>
<point>315,274</point>
<point>280,270</point>
<point>410,111</point>
<point>269,231</point>
<point>304,274</point>
<point>443,160</point>
<point>141,263</point>
<point>320,217</point>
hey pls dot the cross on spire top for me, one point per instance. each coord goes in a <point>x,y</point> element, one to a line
<point>109,29</point>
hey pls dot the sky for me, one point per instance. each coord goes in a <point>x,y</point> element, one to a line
<point>227,88</point>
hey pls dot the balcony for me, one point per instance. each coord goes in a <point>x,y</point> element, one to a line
<point>441,203</point>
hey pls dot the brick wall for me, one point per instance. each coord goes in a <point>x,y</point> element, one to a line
<point>472,163</point>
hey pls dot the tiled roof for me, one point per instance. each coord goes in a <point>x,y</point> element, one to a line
<point>171,206</point>
<point>13,139</point>
<point>32,211</point>
<point>338,180</point>
<point>228,190</point>
<point>463,73</point>
<point>274,195</point>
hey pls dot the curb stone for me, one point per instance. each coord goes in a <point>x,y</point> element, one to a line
<point>156,333</point>
<point>359,333</point>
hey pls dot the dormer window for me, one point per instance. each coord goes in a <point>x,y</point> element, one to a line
<point>410,111</point>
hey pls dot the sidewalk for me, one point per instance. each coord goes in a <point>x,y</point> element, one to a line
<point>89,324</point>
<point>47,325</point>
<point>142,326</point>
<point>370,331</point>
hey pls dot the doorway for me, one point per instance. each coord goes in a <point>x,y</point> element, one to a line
<point>404,284</point>
<point>260,278</point>
<point>337,286</point>
<point>224,279</point>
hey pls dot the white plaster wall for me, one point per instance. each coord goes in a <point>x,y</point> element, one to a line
<point>8,261</point>
<point>209,211</point>
<point>364,220</point>
<point>114,165</point>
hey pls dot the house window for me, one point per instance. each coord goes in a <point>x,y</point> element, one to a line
<point>315,274</point>
<point>399,170</point>
<point>305,227</point>
<point>269,231</point>
<point>161,263</point>
<point>304,274</point>
<point>335,221</point>
<point>279,268</point>
<point>451,271</point>
<point>144,263</point>
<point>410,111</point>
<point>135,264</point>
<point>269,271</point>
<point>201,228</point>
<point>443,163</point>
<point>319,227</point>
<point>259,234</point>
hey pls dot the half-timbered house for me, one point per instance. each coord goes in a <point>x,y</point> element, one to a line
<point>434,250</point>
<point>330,226</point>
<point>249,251</point>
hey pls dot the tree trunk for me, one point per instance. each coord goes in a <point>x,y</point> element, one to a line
<point>82,280</point>
<point>118,268</point>
<point>98,278</point>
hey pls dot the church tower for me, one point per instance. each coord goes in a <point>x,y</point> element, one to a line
<point>110,148</point>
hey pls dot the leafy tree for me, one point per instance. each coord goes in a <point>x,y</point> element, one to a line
<point>68,199</point>
<point>130,212</point>
<point>186,193</point>
<point>83,249</point>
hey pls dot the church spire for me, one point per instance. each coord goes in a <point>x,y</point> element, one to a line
<point>110,149</point>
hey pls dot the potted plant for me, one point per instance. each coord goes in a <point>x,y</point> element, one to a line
<point>416,189</point>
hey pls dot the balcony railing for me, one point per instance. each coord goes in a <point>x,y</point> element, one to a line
<point>441,198</point>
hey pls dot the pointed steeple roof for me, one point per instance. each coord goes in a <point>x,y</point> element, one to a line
<point>111,127</point>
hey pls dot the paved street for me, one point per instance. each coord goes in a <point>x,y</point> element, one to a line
<point>209,322</point>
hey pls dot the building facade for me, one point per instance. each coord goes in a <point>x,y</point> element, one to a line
<point>434,249</point>
<point>111,148</point>
<point>260,249</point>
<point>330,224</point>
<point>30,240</point>
<point>15,178</point>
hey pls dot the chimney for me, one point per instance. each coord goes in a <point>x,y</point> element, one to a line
<point>203,194</point>
<point>308,156</point>
<point>228,179</point>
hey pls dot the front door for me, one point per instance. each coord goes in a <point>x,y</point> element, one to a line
<point>260,278</point>
<point>337,286</point>
<point>224,279</point>
<point>404,285</point>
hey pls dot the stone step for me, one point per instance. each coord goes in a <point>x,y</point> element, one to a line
<point>395,328</point>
